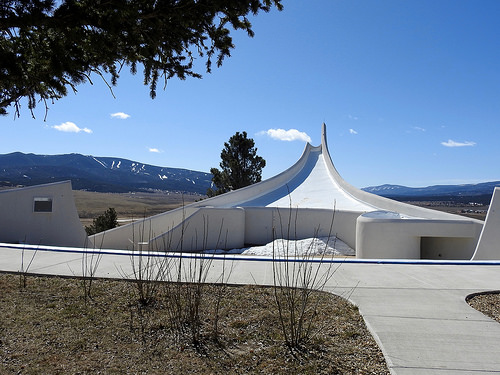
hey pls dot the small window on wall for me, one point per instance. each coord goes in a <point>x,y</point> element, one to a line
<point>42,205</point>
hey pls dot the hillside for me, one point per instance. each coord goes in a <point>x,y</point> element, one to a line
<point>101,174</point>
<point>479,193</point>
<point>116,175</point>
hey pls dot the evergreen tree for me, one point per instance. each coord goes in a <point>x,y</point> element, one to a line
<point>108,220</point>
<point>240,164</point>
<point>48,47</point>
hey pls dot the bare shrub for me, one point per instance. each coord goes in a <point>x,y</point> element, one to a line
<point>147,275</point>
<point>23,272</point>
<point>147,269</point>
<point>221,286</point>
<point>297,275</point>
<point>91,259</point>
<point>185,294</point>
<point>175,285</point>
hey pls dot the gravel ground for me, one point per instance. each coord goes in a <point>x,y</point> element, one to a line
<point>487,303</point>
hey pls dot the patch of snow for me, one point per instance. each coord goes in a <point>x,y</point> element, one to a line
<point>100,162</point>
<point>126,220</point>
<point>135,168</point>
<point>295,249</point>
<point>388,215</point>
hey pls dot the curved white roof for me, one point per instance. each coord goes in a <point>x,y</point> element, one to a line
<point>312,187</point>
<point>314,182</point>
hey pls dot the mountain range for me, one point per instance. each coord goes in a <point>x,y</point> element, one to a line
<point>108,174</point>
<point>103,174</point>
<point>479,193</point>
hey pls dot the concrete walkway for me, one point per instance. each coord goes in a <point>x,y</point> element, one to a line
<point>416,312</point>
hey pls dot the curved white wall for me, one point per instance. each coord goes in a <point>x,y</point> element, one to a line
<point>389,235</point>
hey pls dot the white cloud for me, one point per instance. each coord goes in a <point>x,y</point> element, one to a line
<point>452,143</point>
<point>355,118</point>
<point>419,128</point>
<point>352,131</point>
<point>120,115</point>
<point>153,149</point>
<point>71,127</point>
<point>287,135</point>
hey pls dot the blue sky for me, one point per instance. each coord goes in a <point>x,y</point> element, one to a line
<point>409,90</point>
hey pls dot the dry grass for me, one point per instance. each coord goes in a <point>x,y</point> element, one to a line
<point>48,327</point>
<point>455,209</point>
<point>91,204</point>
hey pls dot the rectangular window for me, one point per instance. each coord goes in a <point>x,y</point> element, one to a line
<point>42,205</point>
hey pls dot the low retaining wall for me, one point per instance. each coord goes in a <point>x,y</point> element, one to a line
<point>127,237</point>
<point>201,228</point>
<point>378,234</point>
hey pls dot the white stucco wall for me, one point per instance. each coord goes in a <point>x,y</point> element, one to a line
<point>390,235</point>
<point>207,228</point>
<point>128,236</point>
<point>20,224</point>
<point>488,247</point>
<point>184,229</point>
<point>264,224</point>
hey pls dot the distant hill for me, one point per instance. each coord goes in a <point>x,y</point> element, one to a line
<point>480,193</point>
<point>107,174</point>
<point>102,174</point>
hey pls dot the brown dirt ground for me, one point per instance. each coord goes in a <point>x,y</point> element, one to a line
<point>50,327</point>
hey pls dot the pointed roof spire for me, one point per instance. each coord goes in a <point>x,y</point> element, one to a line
<point>323,137</point>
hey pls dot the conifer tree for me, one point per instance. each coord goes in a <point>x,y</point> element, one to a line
<point>48,47</point>
<point>240,165</point>
<point>108,220</point>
